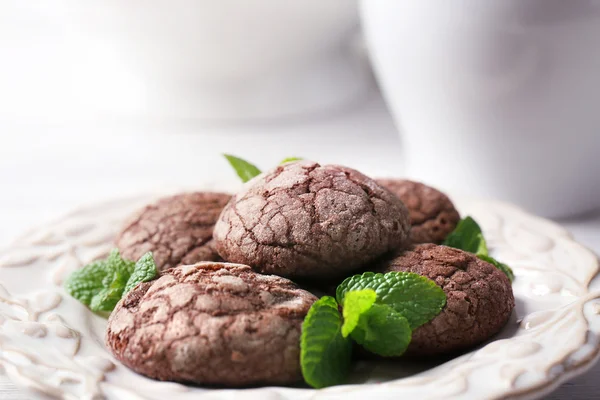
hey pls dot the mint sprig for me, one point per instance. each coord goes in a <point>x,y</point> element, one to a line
<point>290,159</point>
<point>468,236</point>
<point>144,271</point>
<point>382,331</point>
<point>324,353</point>
<point>376,327</point>
<point>243,168</point>
<point>379,313</point>
<point>246,170</point>
<point>356,304</point>
<point>415,297</point>
<point>101,284</point>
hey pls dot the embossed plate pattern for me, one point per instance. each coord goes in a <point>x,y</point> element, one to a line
<point>52,344</point>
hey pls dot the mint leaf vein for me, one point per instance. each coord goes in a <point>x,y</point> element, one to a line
<point>415,297</point>
<point>383,331</point>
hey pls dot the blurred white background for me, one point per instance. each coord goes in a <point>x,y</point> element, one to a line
<point>68,60</point>
<point>46,170</point>
<point>79,124</point>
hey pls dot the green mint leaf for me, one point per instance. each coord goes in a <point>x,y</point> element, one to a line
<point>106,299</point>
<point>383,331</point>
<point>501,266</point>
<point>83,284</point>
<point>101,284</point>
<point>145,270</point>
<point>290,159</point>
<point>482,249</point>
<point>117,272</point>
<point>324,353</point>
<point>114,260</point>
<point>243,168</point>
<point>356,303</point>
<point>416,297</point>
<point>467,236</point>
<point>117,269</point>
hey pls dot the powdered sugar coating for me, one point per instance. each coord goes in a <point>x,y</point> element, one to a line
<point>212,324</point>
<point>306,220</point>
<point>479,298</point>
<point>432,214</point>
<point>177,229</point>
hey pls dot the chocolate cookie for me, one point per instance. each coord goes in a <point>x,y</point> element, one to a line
<point>432,214</point>
<point>479,298</point>
<point>212,324</point>
<point>177,229</point>
<point>306,220</point>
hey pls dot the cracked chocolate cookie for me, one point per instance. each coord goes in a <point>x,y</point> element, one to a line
<point>303,219</point>
<point>212,324</point>
<point>479,298</point>
<point>432,214</point>
<point>177,229</point>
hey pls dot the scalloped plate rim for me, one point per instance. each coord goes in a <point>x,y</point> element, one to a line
<point>541,389</point>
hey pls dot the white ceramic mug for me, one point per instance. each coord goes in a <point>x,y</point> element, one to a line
<point>199,59</point>
<point>228,59</point>
<point>495,98</point>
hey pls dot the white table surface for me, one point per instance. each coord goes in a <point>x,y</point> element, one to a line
<point>46,171</point>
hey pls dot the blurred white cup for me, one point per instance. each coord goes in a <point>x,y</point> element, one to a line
<point>218,60</point>
<point>495,98</point>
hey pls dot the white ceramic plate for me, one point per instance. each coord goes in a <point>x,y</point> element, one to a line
<point>52,344</point>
